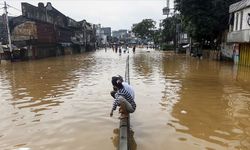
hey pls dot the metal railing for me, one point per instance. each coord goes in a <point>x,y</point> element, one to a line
<point>127,71</point>
<point>125,122</point>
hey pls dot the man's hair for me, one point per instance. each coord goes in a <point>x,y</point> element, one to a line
<point>117,81</point>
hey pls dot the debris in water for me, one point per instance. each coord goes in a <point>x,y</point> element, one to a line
<point>184,112</point>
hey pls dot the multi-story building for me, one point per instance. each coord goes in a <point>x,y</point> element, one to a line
<point>106,31</point>
<point>120,34</point>
<point>43,31</point>
<point>3,30</point>
<point>103,35</point>
<point>239,31</point>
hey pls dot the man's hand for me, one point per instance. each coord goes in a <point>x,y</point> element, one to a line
<point>112,93</point>
<point>115,88</point>
<point>111,113</point>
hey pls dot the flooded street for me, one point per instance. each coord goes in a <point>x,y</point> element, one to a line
<point>182,103</point>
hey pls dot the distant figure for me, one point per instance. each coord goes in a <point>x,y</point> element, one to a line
<point>134,49</point>
<point>123,95</point>
<point>116,48</point>
<point>199,53</point>
<point>112,46</point>
<point>120,50</point>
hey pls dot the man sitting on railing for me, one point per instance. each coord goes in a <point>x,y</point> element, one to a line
<point>123,95</point>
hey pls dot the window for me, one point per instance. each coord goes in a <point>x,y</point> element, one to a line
<point>236,22</point>
<point>231,22</point>
<point>241,19</point>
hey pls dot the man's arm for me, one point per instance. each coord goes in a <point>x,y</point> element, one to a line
<point>115,104</point>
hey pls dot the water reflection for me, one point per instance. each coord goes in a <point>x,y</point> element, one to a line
<point>40,84</point>
<point>217,112</point>
<point>142,64</point>
<point>239,106</point>
<point>242,74</point>
<point>172,80</point>
<point>131,140</point>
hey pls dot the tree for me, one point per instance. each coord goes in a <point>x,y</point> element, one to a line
<point>157,37</point>
<point>204,20</point>
<point>169,28</point>
<point>144,29</point>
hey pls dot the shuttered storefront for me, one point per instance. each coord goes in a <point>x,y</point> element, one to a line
<point>244,54</point>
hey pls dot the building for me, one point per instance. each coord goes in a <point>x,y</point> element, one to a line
<point>239,31</point>
<point>120,34</point>
<point>106,34</point>
<point>103,35</point>
<point>106,31</point>
<point>44,31</point>
<point>3,30</point>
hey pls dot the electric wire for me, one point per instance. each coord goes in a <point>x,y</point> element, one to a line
<point>11,14</point>
<point>14,8</point>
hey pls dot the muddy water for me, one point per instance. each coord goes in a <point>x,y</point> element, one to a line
<point>183,103</point>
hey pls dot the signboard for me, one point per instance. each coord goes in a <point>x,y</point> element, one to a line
<point>165,11</point>
<point>1,48</point>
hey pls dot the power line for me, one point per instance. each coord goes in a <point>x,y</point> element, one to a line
<point>11,14</point>
<point>7,24</point>
<point>14,8</point>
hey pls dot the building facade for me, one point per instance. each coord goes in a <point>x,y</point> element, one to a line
<point>120,34</point>
<point>103,35</point>
<point>239,31</point>
<point>43,31</point>
<point>3,30</point>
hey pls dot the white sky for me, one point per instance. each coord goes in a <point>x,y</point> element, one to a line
<point>117,14</point>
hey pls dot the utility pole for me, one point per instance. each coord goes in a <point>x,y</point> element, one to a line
<point>166,9</point>
<point>7,25</point>
<point>168,4</point>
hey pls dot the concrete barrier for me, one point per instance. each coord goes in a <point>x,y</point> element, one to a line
<point>124,134</point>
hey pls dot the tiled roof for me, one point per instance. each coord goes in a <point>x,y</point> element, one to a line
<point>239,5</point>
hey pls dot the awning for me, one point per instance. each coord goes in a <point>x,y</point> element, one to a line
<point>186,46</point>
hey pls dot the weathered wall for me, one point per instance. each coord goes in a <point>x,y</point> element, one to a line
<point>46,14</point>
<point>3,31</point>
<point>63,35</point>
<point>241,19</point>
<point>72,22</point>
<point>45,33</point>
<point>24,31</point>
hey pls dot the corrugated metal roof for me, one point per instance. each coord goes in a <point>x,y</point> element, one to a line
<point>239,5</point>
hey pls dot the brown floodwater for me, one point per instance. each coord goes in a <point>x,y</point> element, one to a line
<point>183,103</point>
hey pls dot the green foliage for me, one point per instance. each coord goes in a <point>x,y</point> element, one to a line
<point>167,47</point>
<point>157,36</point>
<point>205,20</point>
<point>144,29</point>
<point>169,28</point>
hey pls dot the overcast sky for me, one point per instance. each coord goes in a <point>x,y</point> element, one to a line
<point>117,14</point>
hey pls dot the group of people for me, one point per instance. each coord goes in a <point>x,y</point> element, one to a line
<point>117,48</point>
<point>124,96</point>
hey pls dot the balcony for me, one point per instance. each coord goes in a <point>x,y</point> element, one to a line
<point>242,36</point>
